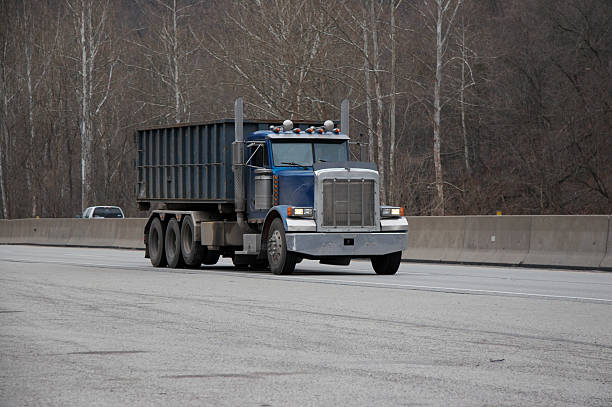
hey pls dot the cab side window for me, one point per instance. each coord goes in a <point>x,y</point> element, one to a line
<point>260,159</point>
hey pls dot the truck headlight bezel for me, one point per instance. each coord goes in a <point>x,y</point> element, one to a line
<point>391,212</point>
<point>300,212</point>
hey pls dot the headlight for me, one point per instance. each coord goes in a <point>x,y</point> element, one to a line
<point>389,212</point>
<point>300,212</point>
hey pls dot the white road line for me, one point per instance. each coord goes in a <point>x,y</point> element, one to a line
<point>440,289</point>
<point>350,282</point>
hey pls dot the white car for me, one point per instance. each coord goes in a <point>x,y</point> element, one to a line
<point>103,212</point>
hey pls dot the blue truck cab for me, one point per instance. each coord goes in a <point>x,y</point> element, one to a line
<point>327,205</point>
<point>265,194</point>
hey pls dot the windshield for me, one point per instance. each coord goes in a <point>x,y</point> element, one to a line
<point>107,213</point>
<point>288,154</point>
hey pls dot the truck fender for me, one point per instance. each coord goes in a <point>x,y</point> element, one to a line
<point>279,211</point>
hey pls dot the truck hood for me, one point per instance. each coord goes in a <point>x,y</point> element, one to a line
<point>296,188</point>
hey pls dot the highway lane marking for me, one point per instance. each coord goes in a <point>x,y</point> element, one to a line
<point>453,290</point>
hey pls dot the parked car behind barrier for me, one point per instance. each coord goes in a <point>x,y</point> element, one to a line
<point>103,212</point>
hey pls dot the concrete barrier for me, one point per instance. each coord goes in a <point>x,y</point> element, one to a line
<point>435,238</point>
<point>48,231</point>
<point>496,239</point>
<point>606,263</point>
<point>94,232</point>
<point>122,233</point>
<point>24,231</point>
<point>130,234</point>
<point>9,231</point>
<point>569,241</point>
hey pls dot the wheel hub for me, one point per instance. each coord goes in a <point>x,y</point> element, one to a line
<point>275,246</point>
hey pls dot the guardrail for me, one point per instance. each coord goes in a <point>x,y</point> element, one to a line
<point>558,241</point>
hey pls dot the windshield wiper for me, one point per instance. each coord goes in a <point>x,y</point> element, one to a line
<point>292,163</point>
<point>320,160</point>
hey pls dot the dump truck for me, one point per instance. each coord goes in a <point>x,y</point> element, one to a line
<point>266,194</point>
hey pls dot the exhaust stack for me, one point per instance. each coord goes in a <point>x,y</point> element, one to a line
<point>344,117</point>
<point>238,162</point>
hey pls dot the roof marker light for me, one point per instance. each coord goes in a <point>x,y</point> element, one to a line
<point>297,130</point>
<point>337,130</point>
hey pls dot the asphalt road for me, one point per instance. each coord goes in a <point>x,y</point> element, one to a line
<point>102,327</point>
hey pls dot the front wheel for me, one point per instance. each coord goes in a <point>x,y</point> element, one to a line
<point>281,261</point>
<point>386,264</point>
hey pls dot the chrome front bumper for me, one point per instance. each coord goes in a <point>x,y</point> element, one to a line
<point>346,244</point>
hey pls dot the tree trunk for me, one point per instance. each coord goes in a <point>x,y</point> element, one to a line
<point>391,174</point>
<point>4,145</point>
<point>379,105</point>
<point>366,72</point>
<point>175,67</point>
<point>85,125</point>
<point>439,208</point>
<point>27,50</point>
<point>466,152</point>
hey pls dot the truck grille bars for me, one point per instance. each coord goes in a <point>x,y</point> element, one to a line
<point>348,203</point>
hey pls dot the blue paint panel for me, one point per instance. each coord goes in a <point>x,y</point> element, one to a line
<point>295,187</point>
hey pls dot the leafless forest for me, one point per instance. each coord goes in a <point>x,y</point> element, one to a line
<point>468,106</point>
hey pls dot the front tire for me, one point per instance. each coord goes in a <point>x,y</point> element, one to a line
<point>386,264</point>
<point>155,244</point>
<point>173,244</point>
<point>193,252</point>
<point>281,261</point>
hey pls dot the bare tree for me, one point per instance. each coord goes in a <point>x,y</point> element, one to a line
<point>393,6</point>
<point>7,97</point>
<point>90,24</point>
<point>467,81</point>
<point>169,51</point>
<point>439,16</point>
<point>277,60</point>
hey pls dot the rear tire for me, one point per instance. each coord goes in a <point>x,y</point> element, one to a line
<point>386,264</point>
<point>281,261</point>
<point>155,244</point>
<point>173,244</point>
<point>192,251</point>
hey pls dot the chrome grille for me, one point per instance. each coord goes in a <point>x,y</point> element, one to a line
<point>348,203</point>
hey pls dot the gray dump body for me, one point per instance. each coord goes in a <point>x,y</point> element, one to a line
<point>188,163</point>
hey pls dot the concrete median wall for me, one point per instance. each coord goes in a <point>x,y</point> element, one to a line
<point>496,239</point>
<point>435,238</point>
<point>606,263</point>
<point>557,241</point>
<point>565,241</point>
<point>121,233</point>
<point>568,241</point>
